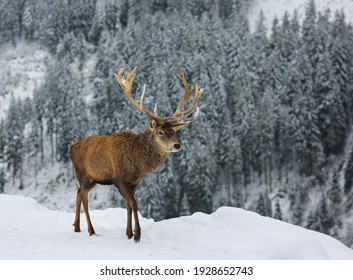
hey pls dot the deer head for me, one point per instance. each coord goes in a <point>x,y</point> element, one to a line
<point>164,128</point>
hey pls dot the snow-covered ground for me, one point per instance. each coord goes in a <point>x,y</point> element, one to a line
<point>31,231</point>
<point>272,8</point>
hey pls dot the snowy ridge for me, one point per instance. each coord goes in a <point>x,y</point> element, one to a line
<point>30,231</point>
<point>277,8</point>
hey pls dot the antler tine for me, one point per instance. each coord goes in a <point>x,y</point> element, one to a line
<point>181,76</point>
<point>126,84</point>
<point>148,113</point>
<point>198,92</point>
<point>187,94</point>
<point>155,109</point>
<point>191,119</point>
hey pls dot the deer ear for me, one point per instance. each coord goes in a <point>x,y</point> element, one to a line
<point>153,124</point>
<point>178,126</point>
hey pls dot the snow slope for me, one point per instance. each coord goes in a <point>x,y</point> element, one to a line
<point>30,231</point>
<point>272,8</point>
<point>22,70</point>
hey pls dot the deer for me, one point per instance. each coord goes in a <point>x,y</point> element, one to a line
<point>125,158</point>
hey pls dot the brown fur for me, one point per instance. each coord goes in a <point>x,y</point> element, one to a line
<point>122,159</point>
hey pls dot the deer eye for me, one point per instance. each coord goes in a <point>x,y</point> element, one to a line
<point>161,132</point>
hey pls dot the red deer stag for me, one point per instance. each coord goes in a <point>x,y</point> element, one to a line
<point>125,158</point>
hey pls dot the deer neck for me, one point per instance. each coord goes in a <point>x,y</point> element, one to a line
<point>152,157</point>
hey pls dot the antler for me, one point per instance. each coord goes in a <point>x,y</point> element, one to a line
<point>177,119</point>
<point>126,85</point>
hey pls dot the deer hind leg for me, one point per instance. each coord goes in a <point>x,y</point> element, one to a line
<point>86,186</point>
<point>78,210</point>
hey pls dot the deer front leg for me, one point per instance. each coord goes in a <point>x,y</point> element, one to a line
<point>131,206</point>
<point>129,221</point>
<point>137,229</point>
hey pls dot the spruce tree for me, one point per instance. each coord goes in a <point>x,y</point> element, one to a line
<point>278,211</point>
<point>348,175</point>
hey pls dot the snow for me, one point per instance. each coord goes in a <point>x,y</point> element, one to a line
<point>31,231</point>
<point>273,8</point>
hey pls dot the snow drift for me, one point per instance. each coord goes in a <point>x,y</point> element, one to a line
<point>31,231</point>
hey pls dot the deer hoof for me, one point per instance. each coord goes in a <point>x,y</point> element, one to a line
<point>129,233</point>
<point>77,228</point>
<point>137,238</point>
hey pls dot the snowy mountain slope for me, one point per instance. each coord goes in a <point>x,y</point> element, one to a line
<point>22,71</point>
<point>272,8</point>
<point>30,231</point>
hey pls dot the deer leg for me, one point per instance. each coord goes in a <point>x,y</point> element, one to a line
<point>131,206</point>
<point>85,192</point>
<point>76,223</point>
<point>85,208</point>
<point>137,229</point>
<point>129,221</point>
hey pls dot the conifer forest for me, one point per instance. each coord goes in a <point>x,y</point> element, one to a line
<point>275,131</point>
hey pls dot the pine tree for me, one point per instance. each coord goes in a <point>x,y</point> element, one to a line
<point>34,142</point>
<point>2,140</point>
<point>72,118</point>
<point>185,210</point>
<point>313,222</point>
<point>57,23</point>
<point>11,24</point>
<point>81,16</point>
<point>39,111</point>
<point>150,199</point>
<point>307,134</point>
<point>297,198</point>
<point>263,206</point>
<point>3,180</point>
<point>15,140</point>
<point>341,57</point>
<point>288,41</point>
<point>278,211</point>
<point>29,19</point>
<point>284,144</point>
<point>244,119</point>
<point>335,193</point>
<point>200,199</point>
<point>331,113</point>
<point>97,23</point>
<point>309,35</point>
<point>169,191</point>
<point>112,16</point>
<point>265,134</point>
<point>348,175</point>
<point>325,216</point>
